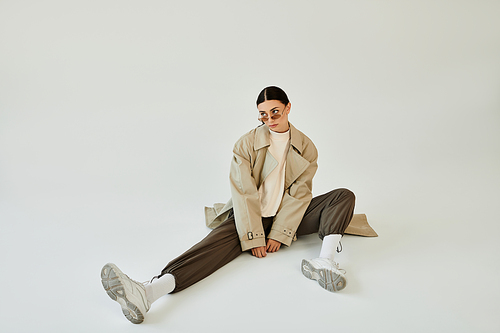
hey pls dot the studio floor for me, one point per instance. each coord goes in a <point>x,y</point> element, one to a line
<point>433,268</point>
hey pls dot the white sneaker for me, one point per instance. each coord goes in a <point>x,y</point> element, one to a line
<point>326,272</point>
<point>129,293</point>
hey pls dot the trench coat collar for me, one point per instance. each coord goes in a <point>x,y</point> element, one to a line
<point>262,138</point>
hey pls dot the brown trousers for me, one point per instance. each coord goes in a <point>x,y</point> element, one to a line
<point>327,214</point>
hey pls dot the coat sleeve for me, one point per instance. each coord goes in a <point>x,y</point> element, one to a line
<point>245,196</point>
<point>295,200</point>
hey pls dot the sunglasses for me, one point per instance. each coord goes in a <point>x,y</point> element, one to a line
<point>264,117</point>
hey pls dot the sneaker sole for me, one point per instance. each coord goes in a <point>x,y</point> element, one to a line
<point>114,288</point>
<point>325,277</point>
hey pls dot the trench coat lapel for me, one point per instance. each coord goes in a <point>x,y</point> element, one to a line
<point>295,166</point>
<point>295,163</point>
<point>262,140</point>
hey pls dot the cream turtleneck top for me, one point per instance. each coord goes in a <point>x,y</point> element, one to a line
<point>271,190</point>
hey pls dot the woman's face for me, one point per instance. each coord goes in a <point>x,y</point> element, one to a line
<point>268,109</point>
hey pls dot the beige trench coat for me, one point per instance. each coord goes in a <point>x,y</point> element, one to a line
<point>250,166</point>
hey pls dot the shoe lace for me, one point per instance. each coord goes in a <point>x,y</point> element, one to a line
<point>142,283</point>
<point>338,267</point>
<point>154,277</point>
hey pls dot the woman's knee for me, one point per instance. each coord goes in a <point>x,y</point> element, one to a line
<point>347,194</point>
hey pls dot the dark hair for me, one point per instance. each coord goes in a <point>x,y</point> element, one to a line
<point>272,93</point>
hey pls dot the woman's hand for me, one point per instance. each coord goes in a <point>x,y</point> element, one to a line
<point>259,252</point>
<point>272,245</point>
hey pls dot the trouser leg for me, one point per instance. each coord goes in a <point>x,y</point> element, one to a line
<point>328,214</point>
<point>218,248</point>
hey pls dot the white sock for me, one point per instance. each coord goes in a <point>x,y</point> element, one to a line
<point>160,287</point>
<point>329,246</point>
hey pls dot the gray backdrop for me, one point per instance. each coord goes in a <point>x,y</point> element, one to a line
<point>117,120</point>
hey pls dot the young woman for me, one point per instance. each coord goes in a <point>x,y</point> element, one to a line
<point>271,203</point>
